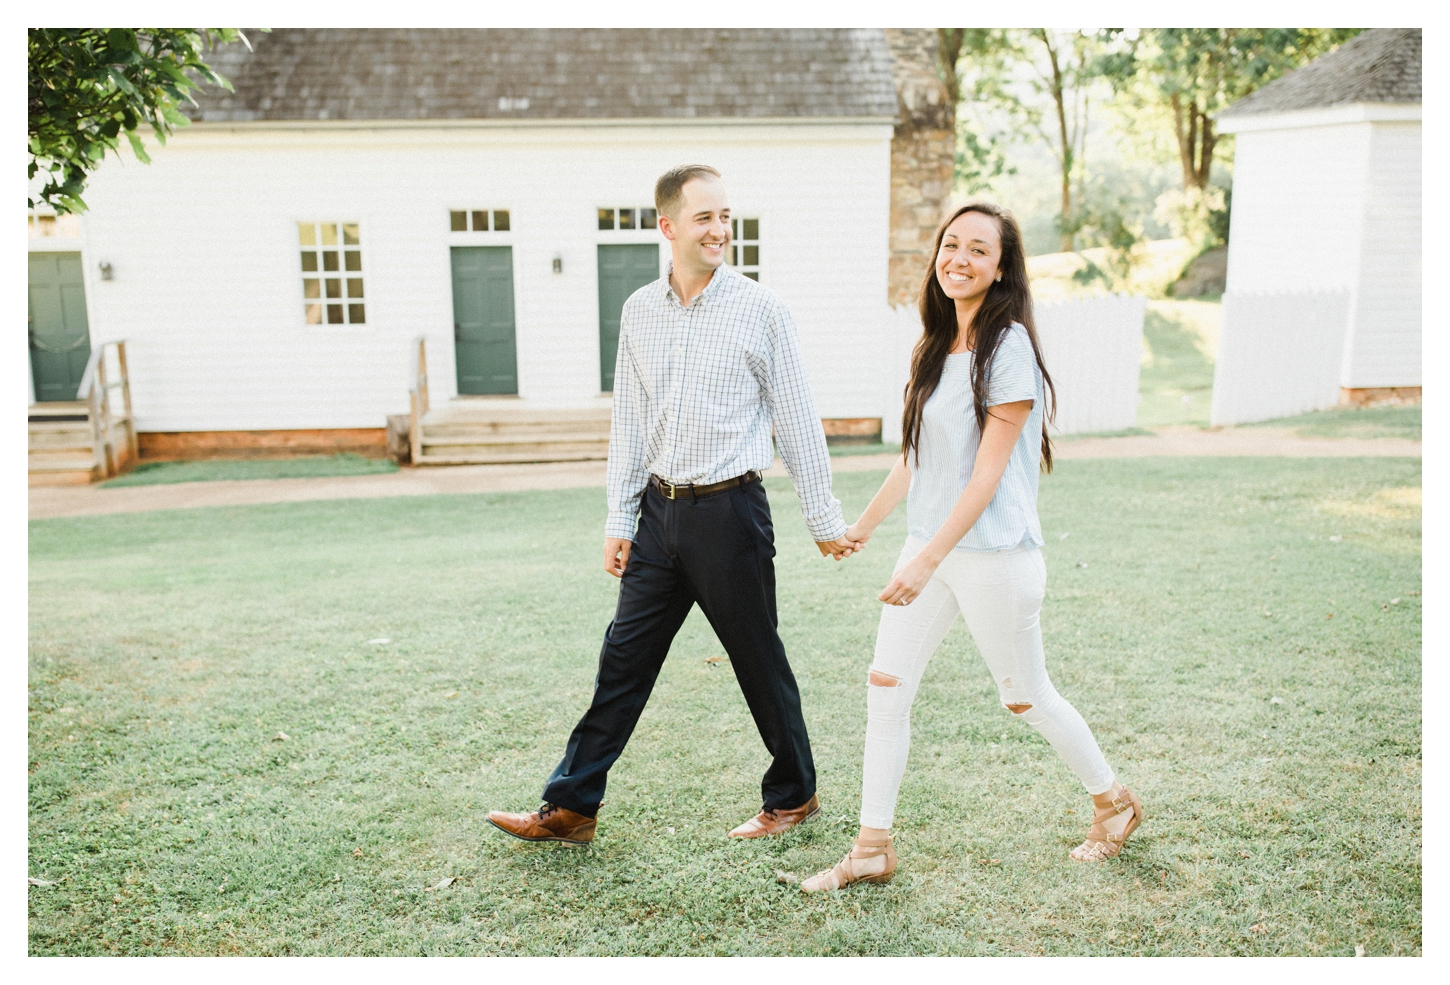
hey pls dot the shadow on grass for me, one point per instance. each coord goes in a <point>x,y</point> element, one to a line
<point>311,467</point>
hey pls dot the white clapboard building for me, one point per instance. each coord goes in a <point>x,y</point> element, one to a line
<point>1322,303</point>
<point>486,191</point>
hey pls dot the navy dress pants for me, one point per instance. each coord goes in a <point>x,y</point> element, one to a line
<point>716,551</point>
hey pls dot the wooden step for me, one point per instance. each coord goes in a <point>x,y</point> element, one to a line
<point>488,411</point>
<point>65,409</point>
<point>542,431</point>
<point>53,436</point>
<point>61,470</point>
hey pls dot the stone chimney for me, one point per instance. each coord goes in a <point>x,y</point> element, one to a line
<point>923,150</point>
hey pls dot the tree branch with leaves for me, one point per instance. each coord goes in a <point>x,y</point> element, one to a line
<point>89,86</point>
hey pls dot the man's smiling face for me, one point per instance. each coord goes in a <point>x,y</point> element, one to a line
<point>700,234</point>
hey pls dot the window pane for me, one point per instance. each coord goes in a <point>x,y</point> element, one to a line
<point>354,287</point>
<point>309,260</point>
<point>354,260</point>
<point>329,234</point>
<point>311,288</point>
<point>752,256</point>
<point>500,220</point>
<point>606,218</point>
<point>306,234</point>
<point>349,234</point>
<point>334,314</point>
<point>753,275</point>
<point>355,314</point>
<point>334,287</point>
<point>734,256</point>
<point>314,314</point>
<point>648,219</point>
<point>458,222</point>
<point>329,259</point>
<point>734,228</point>
<point>480,222</point>
<point>626,218</point>
<point>752,229</point>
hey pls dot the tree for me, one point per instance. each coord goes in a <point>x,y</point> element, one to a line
<point>89,85</point>
<point>979,156</point>
<point>1043,80</point>
<point>1196,72</point>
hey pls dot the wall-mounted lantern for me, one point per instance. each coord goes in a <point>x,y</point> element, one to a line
<point>558,265</point>
<point>106,273</point>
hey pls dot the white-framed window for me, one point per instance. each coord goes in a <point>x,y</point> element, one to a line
<point>745,247</point>
<point>644,218</point>
<point>332,273</point>
<point>43,225</point>
<point>479,221</point>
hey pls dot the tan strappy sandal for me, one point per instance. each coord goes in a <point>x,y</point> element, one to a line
<point>874,862</point>
<point>1100,843</point>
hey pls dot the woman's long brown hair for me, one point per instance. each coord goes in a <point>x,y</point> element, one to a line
<point>1007,301</point>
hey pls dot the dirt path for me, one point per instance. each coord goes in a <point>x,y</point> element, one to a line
<point>50,502</point>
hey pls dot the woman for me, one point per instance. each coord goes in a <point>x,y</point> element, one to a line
<point>973,437</point>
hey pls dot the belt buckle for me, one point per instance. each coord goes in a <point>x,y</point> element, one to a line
<point>667,489</point>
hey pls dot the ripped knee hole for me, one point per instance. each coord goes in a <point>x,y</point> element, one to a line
<point>880,679</point>
<point>1018,709</point>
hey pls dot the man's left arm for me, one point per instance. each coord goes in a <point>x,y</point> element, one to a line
<point>799,435</point>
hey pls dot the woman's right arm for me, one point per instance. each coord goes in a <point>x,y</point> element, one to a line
<point>892,492</point>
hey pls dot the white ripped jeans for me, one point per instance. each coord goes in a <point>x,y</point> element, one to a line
<point>999,593</point>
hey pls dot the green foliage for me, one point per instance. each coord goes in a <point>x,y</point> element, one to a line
<point>89,86</point>
<point>1196,72</point>
<point>171,651</point>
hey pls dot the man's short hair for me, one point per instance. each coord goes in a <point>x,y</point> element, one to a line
<point>670,189</point>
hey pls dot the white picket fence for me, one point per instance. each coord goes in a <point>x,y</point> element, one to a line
<point>1092,347</point>
<point>1279,354</point>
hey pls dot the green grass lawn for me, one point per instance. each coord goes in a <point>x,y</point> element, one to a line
<point>1242,634</point>
<point>1355,422</point>
<point>212,470</point>
<point>1180,340</point>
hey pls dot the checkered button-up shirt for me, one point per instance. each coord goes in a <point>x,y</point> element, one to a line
<point>696,389</point>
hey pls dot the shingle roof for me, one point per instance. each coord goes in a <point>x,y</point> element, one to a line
<point>495,74</point>
<point>1381,65</point>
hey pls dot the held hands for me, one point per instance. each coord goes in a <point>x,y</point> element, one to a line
<point>908,583</point>
<point>853,542</point>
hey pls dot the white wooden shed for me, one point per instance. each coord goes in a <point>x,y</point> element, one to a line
<point>1322,302</point>
<point>489,191</point>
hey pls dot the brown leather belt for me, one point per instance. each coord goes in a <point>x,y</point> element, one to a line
<point>694,491</point>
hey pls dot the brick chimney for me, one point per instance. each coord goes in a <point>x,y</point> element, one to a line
<point>923,148</point>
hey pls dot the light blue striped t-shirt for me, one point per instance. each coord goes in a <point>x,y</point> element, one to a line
<point>948,446</point>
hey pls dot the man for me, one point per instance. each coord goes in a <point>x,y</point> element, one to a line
<point>708,360</point>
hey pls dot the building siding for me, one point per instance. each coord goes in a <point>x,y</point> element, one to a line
<point>208,290</point>
<point>1385,333</point>
<point>1336,208</point>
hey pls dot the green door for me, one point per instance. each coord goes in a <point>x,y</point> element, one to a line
<point>60,336</point>
<point>483,319</point>
<point>622,271</point>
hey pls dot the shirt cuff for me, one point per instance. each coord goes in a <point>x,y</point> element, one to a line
<point>830,525</point>
<point>620,525</point>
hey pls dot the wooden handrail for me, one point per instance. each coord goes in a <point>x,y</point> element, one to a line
<point>418,399</point>
<point>96,389</point>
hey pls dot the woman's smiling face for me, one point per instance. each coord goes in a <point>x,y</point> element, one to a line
<point>967,263</point>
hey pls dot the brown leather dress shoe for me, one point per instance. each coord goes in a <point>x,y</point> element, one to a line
<point>774,822</point>
<point>549,823</point>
